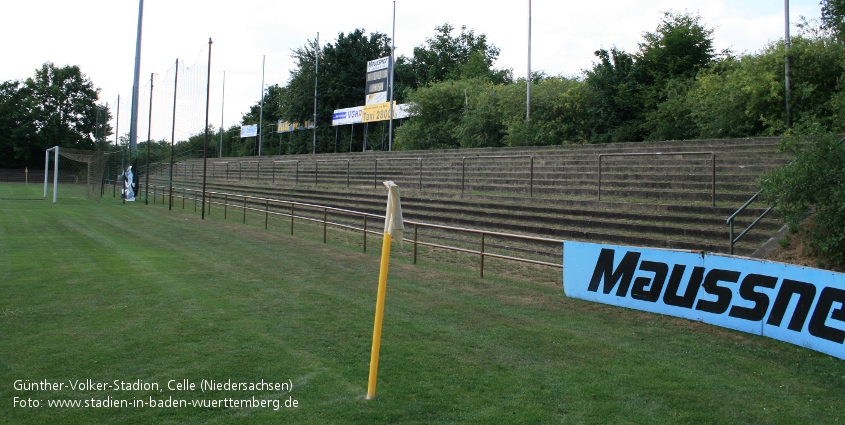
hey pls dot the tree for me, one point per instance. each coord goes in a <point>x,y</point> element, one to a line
<point>813,186</point>
<point>744,97</point>
<point>17,131</point>
<point>64,107</point>
<point>833,17</point>
<point>342,75</point>
<point>448,57</point>
<point>617,97</point>
<point>58,106</point>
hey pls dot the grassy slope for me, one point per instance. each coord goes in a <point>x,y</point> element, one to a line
<point>131,292</point>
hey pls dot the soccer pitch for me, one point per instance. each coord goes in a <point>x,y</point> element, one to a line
<point>115,313</point>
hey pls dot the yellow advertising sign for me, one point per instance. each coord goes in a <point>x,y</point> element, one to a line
<point>376,112</point>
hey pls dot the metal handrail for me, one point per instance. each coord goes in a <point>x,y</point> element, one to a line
<point>241,167</point>
<point>730,221</point>
<point>375,173</point>
<point>266,202</point>
<point>215,168</point>
<point>530,170</point>
<point>713,165</point>
<point>317,168</point>
<point>296,179</point>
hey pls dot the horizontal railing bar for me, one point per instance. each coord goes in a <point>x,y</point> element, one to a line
<point>182,192</point>
<point>656,153</point>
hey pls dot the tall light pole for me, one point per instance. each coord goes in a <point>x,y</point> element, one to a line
<point>392,66</point>
<point>261,110</point>
<point>222,106</point>
<point>133,120</point>
<point>788,44</point>
<point>528,77</point>
<point>316,78</point>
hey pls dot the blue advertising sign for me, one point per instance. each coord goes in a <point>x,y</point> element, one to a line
<point>799,305</point>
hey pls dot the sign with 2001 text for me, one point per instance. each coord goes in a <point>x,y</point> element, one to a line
<point>799,305</point>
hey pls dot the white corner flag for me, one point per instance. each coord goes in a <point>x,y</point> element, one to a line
<point>394,224</point>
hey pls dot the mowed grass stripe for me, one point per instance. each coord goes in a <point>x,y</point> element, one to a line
<point>131,292</point>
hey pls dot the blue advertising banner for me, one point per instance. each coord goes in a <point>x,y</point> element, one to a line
<point>799,305</point>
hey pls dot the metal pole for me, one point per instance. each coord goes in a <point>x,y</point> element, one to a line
<point>788,44</point>
<point>205,142</point>
<point>222,107</point>
<point>133,121</point>
<point>392,65</point>
<point>528,77</point>
<point>481,265</point>
<point>599,177</point>
<point>316,77</point>
<point>117,123</point>
<point>46,170</point>
<point>149,130</point>
<point>55,174</point>
<point>261,110</point>
<point>714,179</point>
<point>173,134</point>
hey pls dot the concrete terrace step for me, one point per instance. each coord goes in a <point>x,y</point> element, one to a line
<point>649,200</point>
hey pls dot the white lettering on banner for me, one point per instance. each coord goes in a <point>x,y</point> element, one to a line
<point>799,305</point>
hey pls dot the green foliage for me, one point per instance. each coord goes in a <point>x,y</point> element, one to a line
<point>833,17</point>
<point>745,97</point>
<point>674,87</point>
<point>57,106</point>
<point>813,185</point>
<point>617,97</point>
<point>447,57</point>
<point>437,111</point>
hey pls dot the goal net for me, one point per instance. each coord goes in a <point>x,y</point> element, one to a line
<point>77,174</point>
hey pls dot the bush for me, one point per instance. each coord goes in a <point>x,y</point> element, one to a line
<point>810,194</point>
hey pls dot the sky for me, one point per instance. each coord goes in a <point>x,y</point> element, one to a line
<point>99,36</point>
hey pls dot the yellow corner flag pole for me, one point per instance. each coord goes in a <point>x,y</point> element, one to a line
<point>393,225</point>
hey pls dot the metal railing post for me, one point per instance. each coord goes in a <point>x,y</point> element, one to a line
<point>244,209</point>
<point>463,173</point>
<point>415,243</point>
<point>531,178</point>
<point>731,233</point>
<point>365,233</point>
<point>225,205</point>
<point>481,268</point>
<point>714,179</point>
<point>600,156</point>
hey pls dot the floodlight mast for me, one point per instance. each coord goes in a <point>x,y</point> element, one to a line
<point>261,110</point>
<point>392,66</point>
<point>133,121</point>
<point>316,77</point>
<point>787,45</point>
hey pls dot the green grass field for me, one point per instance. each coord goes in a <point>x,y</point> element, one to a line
<point>112,292</point>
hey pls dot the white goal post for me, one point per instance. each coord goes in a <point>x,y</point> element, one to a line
<point>55,150</point>
<point>79,172</point>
